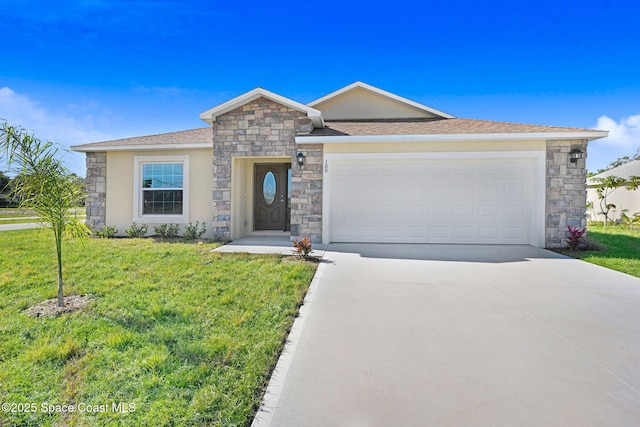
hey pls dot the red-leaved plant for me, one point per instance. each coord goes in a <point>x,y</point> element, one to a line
<point>302,247</point>
<point>575,237</point>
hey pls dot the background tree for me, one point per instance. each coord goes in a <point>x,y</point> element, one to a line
<point>4,182</point>
<point>45,186</point>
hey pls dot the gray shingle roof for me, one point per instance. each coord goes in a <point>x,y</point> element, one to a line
<point>625,171</point>
<point>347,128</point>
<point>191,136</point>
<point>432,127</point>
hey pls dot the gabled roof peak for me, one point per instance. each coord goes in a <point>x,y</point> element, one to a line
<point>210,115</point>
<point>381,94</point>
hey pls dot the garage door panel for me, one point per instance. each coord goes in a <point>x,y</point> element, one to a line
<point>488,190</point>
<point>485,169</point>
<point>431,200</point>
<point>511,169</point>
<point>436,232</point>
<point>488,210</point>
<point>489,233</point>
<point>515,233</point>
<point>463,233</point>
<point>464,170</point>
<point>462,189</point>
<point>515,211</point>
<point>463,210</point>
<point>415,211</point>
<point>437,168</point>
<point>391,231</point>
<point>438,210</point>
<point>415,191</point>
<point>439,195</point>
<point>516,190</point>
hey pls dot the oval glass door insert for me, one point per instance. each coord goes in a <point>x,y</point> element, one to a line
<point>269,188</point>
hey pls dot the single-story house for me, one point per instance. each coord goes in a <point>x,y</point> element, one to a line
<point>358,165</point>
<point>622,198</point>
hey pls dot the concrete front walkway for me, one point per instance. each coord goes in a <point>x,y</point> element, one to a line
<point>266,245</point>
<point>439,335</point>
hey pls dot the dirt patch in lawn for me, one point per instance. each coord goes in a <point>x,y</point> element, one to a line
<point>50,307</point>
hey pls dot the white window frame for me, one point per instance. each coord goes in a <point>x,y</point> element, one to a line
<point>138,216</point>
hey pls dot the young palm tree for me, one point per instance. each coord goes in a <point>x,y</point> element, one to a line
<point>44,185</point>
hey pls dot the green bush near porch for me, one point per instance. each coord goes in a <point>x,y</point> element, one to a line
<point>189,337</point>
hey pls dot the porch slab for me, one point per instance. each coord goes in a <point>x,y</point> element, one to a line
<point>266,245</point>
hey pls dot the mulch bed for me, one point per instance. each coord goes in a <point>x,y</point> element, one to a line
<point>297,258</point>
<point>50,307</point>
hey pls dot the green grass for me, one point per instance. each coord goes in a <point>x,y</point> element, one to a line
<point>187,336</point>
<point>621,248</point>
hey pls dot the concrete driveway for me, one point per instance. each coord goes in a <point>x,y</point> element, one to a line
<point>452,335</point>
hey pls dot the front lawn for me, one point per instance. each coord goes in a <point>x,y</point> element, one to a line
<point>175,335</point>
<point>621,248</point>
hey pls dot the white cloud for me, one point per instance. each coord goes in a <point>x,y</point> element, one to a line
<point>625,133</point>
<point>623,140</point>
<point>75,125</point>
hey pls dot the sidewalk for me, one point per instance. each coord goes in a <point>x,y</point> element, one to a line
<point>24,226</point>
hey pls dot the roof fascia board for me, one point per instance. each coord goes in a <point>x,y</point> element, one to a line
<point>210,115</point>
<point>140,147</point>
<point>451,137</point>
<point>384,93</point>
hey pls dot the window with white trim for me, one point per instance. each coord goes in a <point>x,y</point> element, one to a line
<point>161,189</point>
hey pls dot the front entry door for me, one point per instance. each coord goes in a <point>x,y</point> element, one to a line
<point>271,203</point>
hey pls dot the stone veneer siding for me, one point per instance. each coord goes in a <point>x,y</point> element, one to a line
<point>96,187</point>
<point>566,191</point>
<point>266,128</point>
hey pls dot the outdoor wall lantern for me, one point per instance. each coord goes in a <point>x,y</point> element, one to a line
<point>300,158</point>
<point>575,154</point>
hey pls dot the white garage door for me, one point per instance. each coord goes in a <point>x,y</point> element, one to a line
<point>432,200</point>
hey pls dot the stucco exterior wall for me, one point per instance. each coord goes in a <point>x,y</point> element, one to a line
<point>264,128</point>
<point>566,194</point>
<point>363,104</point>
<point>120,181</point>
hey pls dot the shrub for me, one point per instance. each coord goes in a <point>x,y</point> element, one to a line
<point>136,230</point>
<point>302,247</point>
<point>575,238</point>
<point>195,231</point>
<point>629,221</point>
<point>107,232</point>
<point>167,230</point>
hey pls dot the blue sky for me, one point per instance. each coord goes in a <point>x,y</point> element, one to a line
<point>80,71</point>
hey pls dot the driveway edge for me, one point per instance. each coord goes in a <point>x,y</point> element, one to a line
<point>272,395</point>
